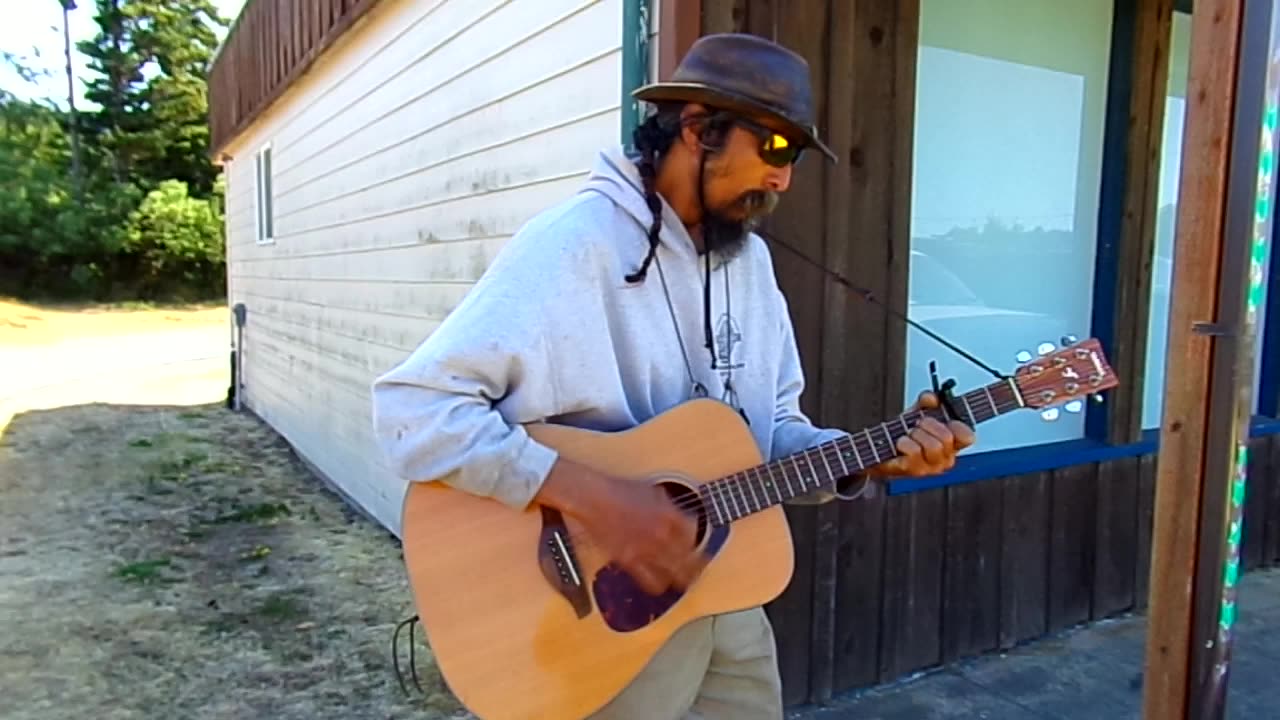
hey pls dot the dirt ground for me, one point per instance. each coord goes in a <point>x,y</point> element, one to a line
<point>26,325</point>
<point>162,556</point>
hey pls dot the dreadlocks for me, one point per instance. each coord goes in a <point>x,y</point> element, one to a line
<point>652,140</point>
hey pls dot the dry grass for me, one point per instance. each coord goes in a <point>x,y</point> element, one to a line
<point>25,324</point>
<point>180,562</point>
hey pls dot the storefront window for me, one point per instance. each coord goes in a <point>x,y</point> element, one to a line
<point>1009,121</point>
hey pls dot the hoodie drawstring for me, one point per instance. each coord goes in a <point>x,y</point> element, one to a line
<point>706,312</point>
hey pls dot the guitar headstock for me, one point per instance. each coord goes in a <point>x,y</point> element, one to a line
<point>1074,372</point>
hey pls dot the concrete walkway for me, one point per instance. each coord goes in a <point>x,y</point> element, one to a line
<point>1091,673</point>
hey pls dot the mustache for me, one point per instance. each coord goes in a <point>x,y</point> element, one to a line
<point>757,202</point>
<point>755,205</point>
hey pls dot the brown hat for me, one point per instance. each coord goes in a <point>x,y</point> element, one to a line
<point>744,73</point>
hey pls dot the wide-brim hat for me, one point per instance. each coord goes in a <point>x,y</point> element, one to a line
<point>744,73</point>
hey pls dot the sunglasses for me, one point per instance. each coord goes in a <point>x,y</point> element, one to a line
<point>775,148</point>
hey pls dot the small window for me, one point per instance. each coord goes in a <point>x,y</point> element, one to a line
<point>266,209</point>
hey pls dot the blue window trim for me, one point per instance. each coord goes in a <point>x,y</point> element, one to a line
<point>1093,447</point>
<point>1115,177</point>
<point>1269,335</point>
<point>1050,456</point>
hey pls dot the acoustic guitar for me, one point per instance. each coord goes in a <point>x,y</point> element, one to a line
<point>527,619</point>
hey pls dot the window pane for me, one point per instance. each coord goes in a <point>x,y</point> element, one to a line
<point>257,192</point>
<point>1010,106</point>
<point>267,194</point>
<point>1262,317</point>
<point>1167,210</point>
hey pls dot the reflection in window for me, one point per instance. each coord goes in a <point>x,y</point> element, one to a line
<point>1262,321</point>
<point>1166,215</point>
<point>1010,108</point>
<point>1166,212</point>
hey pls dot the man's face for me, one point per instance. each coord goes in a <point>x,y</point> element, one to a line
<point>741,187</point>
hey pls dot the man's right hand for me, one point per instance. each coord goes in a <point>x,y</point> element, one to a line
<point>635,524</point>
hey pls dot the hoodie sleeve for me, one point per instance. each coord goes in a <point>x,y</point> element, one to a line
<point>453,409</point>
<point>792,429</point>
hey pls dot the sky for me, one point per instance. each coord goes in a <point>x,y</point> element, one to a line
<point>34,27</point>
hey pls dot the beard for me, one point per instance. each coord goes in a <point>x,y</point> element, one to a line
<point>725,229</point>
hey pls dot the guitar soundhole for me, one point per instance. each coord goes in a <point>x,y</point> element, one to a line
<point>624,606</point>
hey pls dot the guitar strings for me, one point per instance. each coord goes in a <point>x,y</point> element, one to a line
<point>723,488</point>
<point>828,452</point>
<point>719,490</point>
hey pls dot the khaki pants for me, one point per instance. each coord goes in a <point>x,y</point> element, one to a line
<point>720,668</point>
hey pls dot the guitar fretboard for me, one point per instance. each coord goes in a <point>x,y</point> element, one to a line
<point>755,489</point>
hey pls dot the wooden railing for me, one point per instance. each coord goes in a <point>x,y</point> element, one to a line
<point>271,44</point>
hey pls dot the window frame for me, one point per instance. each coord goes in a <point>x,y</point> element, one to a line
<point>264,195</point>
<point>1268,389</point>
<point>1099,418</point>
<point>1109,157</point>
<point>1097,444</point>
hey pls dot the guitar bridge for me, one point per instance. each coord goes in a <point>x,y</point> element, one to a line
<point>559,564</point>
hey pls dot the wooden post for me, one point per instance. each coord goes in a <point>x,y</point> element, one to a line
<point>1223,221</point>
<point>680,24</point>
<point>1248,230</point>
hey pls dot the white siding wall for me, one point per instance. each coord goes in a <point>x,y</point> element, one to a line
<point>401,163</point>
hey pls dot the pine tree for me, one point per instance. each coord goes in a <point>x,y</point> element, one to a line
<point>117,62</point>
<point>178,38</point>
<point>151,59</point>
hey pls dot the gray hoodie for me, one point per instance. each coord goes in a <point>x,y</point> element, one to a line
<point>552,331</point>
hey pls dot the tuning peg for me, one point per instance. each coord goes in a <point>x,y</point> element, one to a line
<point>1096,397</point>
<point>1069,340</point>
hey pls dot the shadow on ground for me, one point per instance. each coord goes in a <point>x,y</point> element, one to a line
<point>180,561</point>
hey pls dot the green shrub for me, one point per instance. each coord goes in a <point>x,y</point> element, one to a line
<point>175,244</point>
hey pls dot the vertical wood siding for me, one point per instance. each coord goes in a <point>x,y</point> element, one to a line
<point>272,43</point>
<point>893,585</point>
<point>988,565</point>
<point>403,161</point>
<point>852,218</point>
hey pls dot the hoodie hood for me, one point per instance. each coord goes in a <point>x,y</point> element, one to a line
<point>550,332</point>
<point>615,175</point>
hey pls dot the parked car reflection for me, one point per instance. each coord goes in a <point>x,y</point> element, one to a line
<point>1001,337</point>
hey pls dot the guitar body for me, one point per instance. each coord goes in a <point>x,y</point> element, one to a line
<point>527,619</point>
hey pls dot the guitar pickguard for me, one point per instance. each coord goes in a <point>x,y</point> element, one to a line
<point>625,607</point>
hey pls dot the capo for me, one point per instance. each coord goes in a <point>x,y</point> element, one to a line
<point>943,392</point>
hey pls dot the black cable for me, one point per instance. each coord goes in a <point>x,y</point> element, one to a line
<point>867,295</point>
<point>395,654</point>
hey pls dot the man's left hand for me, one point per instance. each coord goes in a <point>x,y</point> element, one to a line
<point>931,446</point>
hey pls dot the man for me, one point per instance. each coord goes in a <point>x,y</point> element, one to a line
<point>642,291</point>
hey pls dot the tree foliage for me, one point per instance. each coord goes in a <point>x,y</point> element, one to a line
<point>146,220</point>
<point>176,241</point>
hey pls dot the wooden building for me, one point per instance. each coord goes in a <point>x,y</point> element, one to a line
<point>1008,177</point>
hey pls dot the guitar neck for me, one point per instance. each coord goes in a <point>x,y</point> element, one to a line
<point>764,486</point>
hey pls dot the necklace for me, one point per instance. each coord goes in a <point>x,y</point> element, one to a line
<point>697,389</point>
